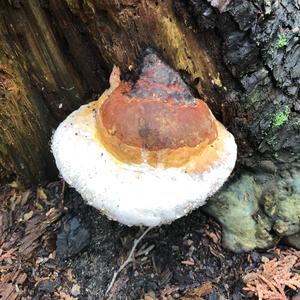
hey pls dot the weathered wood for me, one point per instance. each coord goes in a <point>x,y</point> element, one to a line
<point>121,30</point>
<point>39,86</point>
<point>24,130</point>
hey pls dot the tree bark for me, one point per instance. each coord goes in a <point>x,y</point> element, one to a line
<point>39,86</point>
<point>59,54</point>
<point>244,62</point>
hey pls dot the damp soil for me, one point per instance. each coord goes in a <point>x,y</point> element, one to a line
<point>54,246</point>
<point>174,260</point>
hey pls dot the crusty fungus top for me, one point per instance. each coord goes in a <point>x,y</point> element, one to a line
<point>156,119</point>
<point>155,124</point>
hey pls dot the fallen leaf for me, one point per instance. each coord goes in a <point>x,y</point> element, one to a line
<point>148,297</point>
<point>213,236</point>
<point>70,275</point>
<point>15,185</point>
<point>52,255</point>
<point>264,259</point>
<point>41,195</point>
<point>28,216</point>
<point>39,260</point>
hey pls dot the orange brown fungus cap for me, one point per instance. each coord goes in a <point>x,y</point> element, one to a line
<point>155,124</point>
<point>158,115</point>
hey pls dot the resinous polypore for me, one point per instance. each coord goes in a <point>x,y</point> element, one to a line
<point>146,153</point>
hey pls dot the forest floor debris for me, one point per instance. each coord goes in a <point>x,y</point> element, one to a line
<point>184,260</point>
<point>274,276</point>
<point>28,265</point>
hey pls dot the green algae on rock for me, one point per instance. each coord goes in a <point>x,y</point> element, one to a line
<point>281,202</point>
<point>255,212</point>
<point>237,209</point>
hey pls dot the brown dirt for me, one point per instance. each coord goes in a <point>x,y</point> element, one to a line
<point>184,260</point>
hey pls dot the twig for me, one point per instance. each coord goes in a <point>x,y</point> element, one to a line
<point>145,251</point>
<point>62,192</point>
<point>129,259</point>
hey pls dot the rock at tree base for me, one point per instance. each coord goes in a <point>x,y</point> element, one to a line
<point>72,238</point>
<point>252,209</point>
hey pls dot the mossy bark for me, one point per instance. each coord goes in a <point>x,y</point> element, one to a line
<point>244,62</point>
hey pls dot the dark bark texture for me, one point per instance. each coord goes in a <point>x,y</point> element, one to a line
<point>242,57</point>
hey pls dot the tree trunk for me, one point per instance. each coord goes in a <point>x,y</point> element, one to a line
<point>242,58</point>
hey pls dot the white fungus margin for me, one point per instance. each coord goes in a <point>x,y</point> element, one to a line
<point>132,194</point>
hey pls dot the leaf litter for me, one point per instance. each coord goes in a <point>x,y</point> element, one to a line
<point>184,260</point>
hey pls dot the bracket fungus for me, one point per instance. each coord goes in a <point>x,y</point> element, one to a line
<point>146,152</point>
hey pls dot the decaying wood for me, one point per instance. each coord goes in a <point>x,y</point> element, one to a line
<point>38,87</point>
<point>199,292</point>
<point>35,229</point>
<point>56,54</point>
<point>275,276</point>
<point>27,225</point>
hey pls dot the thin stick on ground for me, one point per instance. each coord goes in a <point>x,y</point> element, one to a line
<point>129,259</point>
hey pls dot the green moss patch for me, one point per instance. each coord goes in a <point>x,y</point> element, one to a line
<point>281,118</point>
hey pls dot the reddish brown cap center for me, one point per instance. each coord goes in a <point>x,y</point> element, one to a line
<point>154,124</point>
<point>157,112</point>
